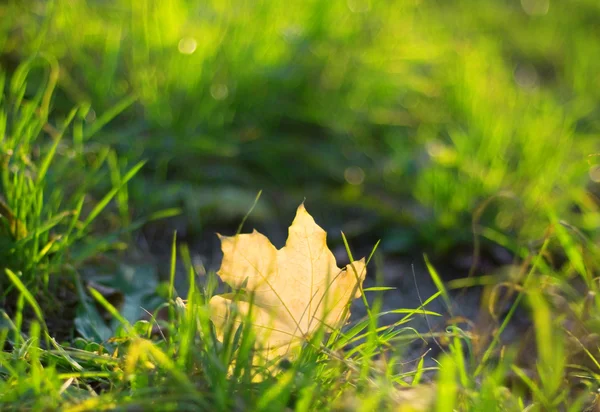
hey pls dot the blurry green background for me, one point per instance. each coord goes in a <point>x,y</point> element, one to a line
<point>394,119</point>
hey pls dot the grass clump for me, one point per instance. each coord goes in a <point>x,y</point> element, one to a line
<point>47,210</point>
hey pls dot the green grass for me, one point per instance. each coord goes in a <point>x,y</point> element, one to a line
<point>184,366</point>
<point>43,199</point>
<point>441,107</point>
<point>433,126</point>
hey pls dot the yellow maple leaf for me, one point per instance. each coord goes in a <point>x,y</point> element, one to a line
<point>295,290</point>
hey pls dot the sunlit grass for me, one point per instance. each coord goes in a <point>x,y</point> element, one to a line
<point>43,200</point>
<point>186,366</point>
<point>443,123</point>
<point>448,105</point>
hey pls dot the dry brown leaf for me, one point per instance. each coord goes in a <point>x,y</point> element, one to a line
<point>295,289</point>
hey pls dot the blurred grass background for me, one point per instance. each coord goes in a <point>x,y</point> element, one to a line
<point>406,116</point>
<point>418,122</point>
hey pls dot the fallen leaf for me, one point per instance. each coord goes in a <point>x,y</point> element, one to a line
<point>294,290</point>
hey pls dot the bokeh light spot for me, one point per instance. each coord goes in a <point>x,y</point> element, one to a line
<point>526,77</point>
<point>187,45</point>
<point>359,6</point>
<point>354,175</point>
<point>504,219</point>
<point>441,153</point>
<point>90,116</point>
<point>595,173</point>
<point>535,7</point>
<point>219,91</point>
